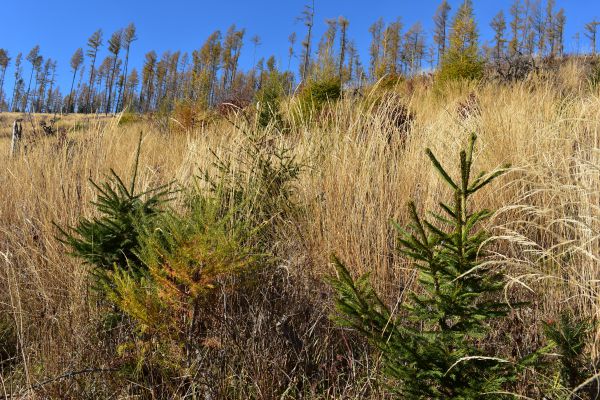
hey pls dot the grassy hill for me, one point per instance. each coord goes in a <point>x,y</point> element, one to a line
<point>267,334</point>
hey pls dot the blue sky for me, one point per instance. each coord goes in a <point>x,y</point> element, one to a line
<point>61,26</point>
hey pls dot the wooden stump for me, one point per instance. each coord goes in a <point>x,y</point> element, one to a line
<point>17,133</point>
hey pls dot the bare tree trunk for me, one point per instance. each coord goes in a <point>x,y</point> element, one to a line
<point>28,87</point>
<point>14,93</point>
<point>70,104</point>
<point>121,99</point>
<point>89,93</point>
<point>310,21</point>
<point>110,88</point>
<point>2,90</point>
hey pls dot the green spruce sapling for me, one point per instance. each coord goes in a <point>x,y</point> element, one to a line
<point>569,337</point>
<point>431,349</point>
<point>111,240</point>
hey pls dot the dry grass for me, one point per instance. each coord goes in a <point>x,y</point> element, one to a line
<point>361,169</point>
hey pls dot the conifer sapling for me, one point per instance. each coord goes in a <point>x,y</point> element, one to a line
<point>431,349</point>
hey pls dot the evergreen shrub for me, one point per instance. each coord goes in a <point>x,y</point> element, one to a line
<point>430,348</point>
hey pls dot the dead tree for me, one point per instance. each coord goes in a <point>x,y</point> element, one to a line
<point>17,133</point>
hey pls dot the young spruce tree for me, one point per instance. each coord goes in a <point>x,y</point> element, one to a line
<point>431,349</point>
<point>111,240</point>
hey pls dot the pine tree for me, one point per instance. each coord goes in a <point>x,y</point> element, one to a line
<point>308,17</point>
<point>227,57</point>
<point>577,39</point>
<point>540,27</point>
<point>431,348</point>
<point>129,36</point>
<point>237,52</point>
<point>172,78</point>
<point>560,22</point>
<point>94,43</point>
<point>464,35</point>
<point>112,239</point>
<point>462,59</point>
<point>550,27</point>
<point>210,56</point>
<point>516,25</point>
<point>269,96</point>
<point>232,46</point>
<point>591,30</point>
<point>498,24</point>
<point>161,80</point>
<point>376,31</point>
<point>50,103</point>
<point>42,79</point>
<point>114,47</point>
<point>18,82</point>
<point>38,82</point>
<point>392,42</point>
<point>343,24</point>
<point>326,66</point>
<point>103,78</point>
<point>147,91</point>
<point>35,60</point>
<point>440,36</point>
<point>4,61</point>
<point>76,61</point>
<point>353,61</point>
<point>528,33</point>
<point>291,52</point>
<point>131,87</point>
<point>79,91</point>
<point>414,47</point>
<point>569,337</point>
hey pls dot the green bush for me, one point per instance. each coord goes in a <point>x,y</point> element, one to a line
<point>594,76</point>
<point>261,194</point>
<point>431,348</point>
<point>112,239</point>
<point>320,92</point>
<point>389,82</point>
<point>315,95</point>
<point>268,100</point>
<point>227,230</point>
<point>569,337</point>
<point>129,118</point>
<point>164,271</point>
<point>460,67</point>
<point>171,304</point>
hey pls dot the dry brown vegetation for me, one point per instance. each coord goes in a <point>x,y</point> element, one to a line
<point>360,169</point>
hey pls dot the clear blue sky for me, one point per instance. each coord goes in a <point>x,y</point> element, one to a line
<point>61,26</point>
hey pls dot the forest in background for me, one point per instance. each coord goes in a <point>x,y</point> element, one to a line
<point>103,82</point>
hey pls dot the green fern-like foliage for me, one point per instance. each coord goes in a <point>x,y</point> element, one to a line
<point>431,349</point>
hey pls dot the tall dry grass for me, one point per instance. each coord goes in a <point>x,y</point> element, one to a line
<point>361,168</point>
